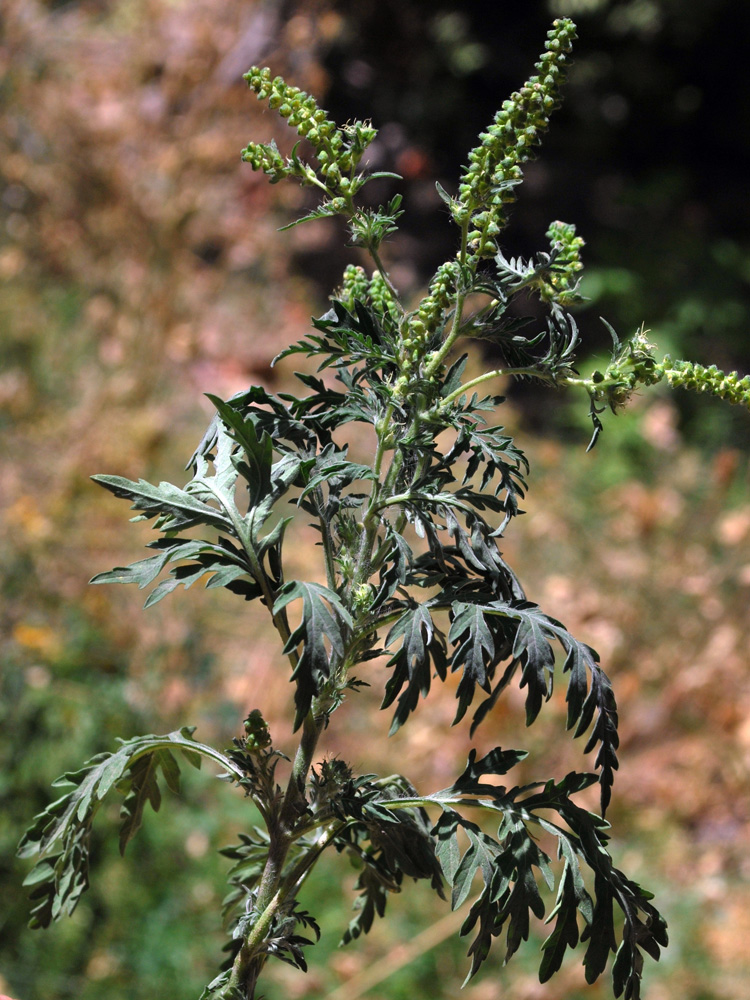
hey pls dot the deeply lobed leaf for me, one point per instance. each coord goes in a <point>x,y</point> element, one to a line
<point>60,835</point>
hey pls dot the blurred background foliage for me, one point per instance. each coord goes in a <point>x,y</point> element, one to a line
<point>140,267</point>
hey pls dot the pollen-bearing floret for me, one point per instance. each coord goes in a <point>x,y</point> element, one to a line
<point>354,286</point>
<point>712,380</point>
<point>494,170</point>
<point>431,312</point>
<point>337,150</point>
<point>561,283</point>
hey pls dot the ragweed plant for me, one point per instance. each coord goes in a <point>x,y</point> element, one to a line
<point>416,587</point>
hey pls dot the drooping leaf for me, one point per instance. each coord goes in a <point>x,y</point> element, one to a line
<point>481,856</point>
<point>565,934</point>
<point>144,787</point>
<point>447,849</point>
<point>324,620</point>
<point>474,652</point>
<point>60,835</point>
<point>590,696</point>
<point>387,844</point>
<point>422,650</point>
<point>371,902</point>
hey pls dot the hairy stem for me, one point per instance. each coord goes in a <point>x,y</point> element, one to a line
<point>433,366</point>
<point>441,354</point>
<point>374,253</point>
<point>272,892</point>
<point>497,373</point>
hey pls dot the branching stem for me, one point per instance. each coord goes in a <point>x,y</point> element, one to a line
<point>499,373</point>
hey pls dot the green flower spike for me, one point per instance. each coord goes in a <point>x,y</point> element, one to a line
<point>711,380</point>
<point>381,297</point>
<point>354,286</point>
<point>494,170</point>
<point>337,150</point>
<point>561,283</point>
<point>432,310</point>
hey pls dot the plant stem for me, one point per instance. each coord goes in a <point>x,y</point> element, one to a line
<point>386,279</point>
<point>440,355</point>
<point>437,359</point>
<point>271,893</point>
<point>311,730</point>
<point>325,534</point>
<point>497,373</point>
<point>370,521</point>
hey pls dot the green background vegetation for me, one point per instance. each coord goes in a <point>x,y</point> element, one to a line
<point>136,256</point>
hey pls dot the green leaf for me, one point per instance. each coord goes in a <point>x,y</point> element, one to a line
<point>370,903</point>
<point>235,446</point>
<point>534,650</point>
<point>508,865</point>
<point>326,478</point>
<point>590,696</point>
<point>324,619</point>
<point>224,477</point>
<point>447,850</point>
<point>218,989</point>
<point>481,856</point>
<point>352,338</point>
<point>143,572</point>
<point>258,449</point>
<point>269,413</point>
<point>143,787</point>
<point>422,649</point>
<point>160,591</point>
<point>497,761</point>
<point>61,834</point>
<point>388,843</point>
<point>176,508</point>
<point>475,652</point>
<point>510,890</point>
<point>565,934</point>
<point>223,561</point>
<point>336,472</point>
<point>369,227</point>
<point>325,210</point>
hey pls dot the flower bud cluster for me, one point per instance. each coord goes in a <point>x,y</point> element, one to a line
<point>363,597</point>
<point>338,151</point>
<point>257,736</point>
<point>561,284</point>
<point>633,365</point>
<point>267,158</point>
<point>711,380</point>
<point>380,296</point>
<point>354,287</point>
<point>494,170</point>
<point>327,781</point>
<point>429,316</point>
